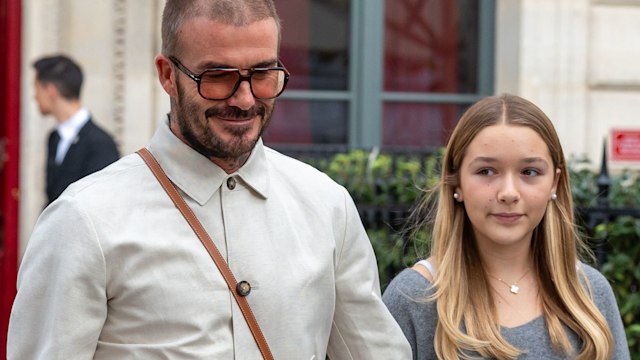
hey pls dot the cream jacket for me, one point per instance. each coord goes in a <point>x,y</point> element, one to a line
<point>113,271</point>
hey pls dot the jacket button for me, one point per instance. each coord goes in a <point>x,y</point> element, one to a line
<point>243,288</point>
<point>231,183</point>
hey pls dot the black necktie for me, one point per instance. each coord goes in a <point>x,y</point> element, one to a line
<point>54,139</point>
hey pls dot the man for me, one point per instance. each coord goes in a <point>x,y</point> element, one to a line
<point>113,271</point>
<point>77,147</point>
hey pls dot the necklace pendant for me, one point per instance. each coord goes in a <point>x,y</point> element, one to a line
<point>514,289</point>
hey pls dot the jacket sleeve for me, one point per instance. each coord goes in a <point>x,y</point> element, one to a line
<point>61,303</point>
<point>362,326</point>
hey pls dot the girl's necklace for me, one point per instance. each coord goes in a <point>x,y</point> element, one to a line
<point>513,288</point>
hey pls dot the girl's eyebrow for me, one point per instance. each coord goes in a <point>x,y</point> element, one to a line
<point>483,159</point>
<point>533,160</point>
<point>492,160</point>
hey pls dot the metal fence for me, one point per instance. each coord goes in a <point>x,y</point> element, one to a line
<point>603,213</point>
<point>393,215</point>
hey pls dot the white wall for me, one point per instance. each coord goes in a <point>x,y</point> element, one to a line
<point>578,60</point>
<point>115,42</point>
<point>614,69</point>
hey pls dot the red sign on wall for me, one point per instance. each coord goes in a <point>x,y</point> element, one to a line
<point>625,145</point>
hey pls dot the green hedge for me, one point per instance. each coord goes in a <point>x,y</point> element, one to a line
<point>373,179</point>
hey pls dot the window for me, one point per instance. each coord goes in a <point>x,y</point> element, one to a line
<point>316,48</point>
<point>393,73</point>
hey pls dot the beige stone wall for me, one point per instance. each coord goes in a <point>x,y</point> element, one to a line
<point>579,61</point>
<point>614,69</point>
<point>115,41</point>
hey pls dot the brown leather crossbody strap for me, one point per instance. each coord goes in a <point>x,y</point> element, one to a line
<point>211,248</point>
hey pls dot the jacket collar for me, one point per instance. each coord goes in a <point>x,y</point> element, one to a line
<point>71,127</point>
<point>196,175</point>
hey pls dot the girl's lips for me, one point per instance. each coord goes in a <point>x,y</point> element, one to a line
<point>507,217</point>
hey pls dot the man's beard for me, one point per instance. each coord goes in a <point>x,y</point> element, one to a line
<point>196,131</point>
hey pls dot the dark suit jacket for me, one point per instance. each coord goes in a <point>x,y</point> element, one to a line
<point>90,151</point>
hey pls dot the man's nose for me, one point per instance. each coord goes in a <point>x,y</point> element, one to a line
<point>243,97</point>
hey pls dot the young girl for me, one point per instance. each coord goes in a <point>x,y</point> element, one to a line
<point>503,279</point>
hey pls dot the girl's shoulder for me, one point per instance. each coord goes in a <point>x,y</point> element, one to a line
<point>408,286</point>
<point>599,288</point>
<point>597,281</point>
<point>407,298</point>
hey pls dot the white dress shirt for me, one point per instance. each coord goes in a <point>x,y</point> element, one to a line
<point>113,271</point>
<point>68,131</point>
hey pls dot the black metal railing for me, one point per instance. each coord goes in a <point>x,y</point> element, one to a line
<point>603,213</point>
<point>393,215</point>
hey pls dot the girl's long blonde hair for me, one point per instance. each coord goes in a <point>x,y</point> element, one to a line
<point>467,318</point>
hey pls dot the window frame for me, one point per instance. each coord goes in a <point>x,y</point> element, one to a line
<point>365,95</point>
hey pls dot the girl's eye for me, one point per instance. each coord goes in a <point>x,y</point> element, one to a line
<point>531,172</point>
<point>486,172</point>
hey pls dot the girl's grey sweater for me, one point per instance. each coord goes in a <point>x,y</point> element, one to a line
<point>405,299</point>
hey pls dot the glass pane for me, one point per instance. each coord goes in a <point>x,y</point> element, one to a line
<point>315,43</point>
<point>431,46</point>
<point>419,125</point>
<point>308,122</point>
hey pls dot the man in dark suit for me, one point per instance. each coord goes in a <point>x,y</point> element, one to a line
<point>77,146</point>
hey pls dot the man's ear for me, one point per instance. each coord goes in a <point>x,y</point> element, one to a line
<point>51,90</point>
<point>166,75</point>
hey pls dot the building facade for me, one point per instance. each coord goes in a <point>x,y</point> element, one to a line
<point>387,73</point>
